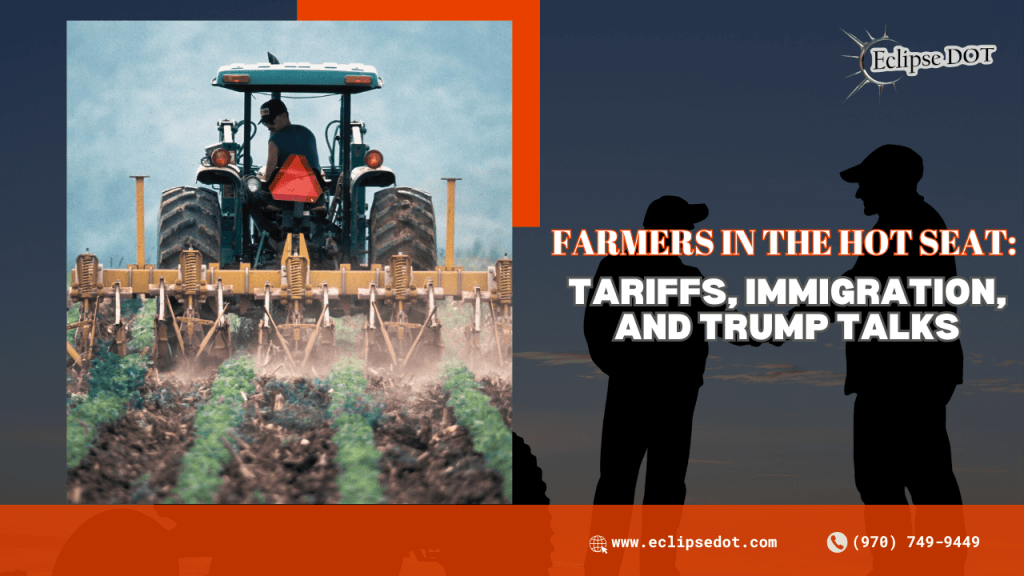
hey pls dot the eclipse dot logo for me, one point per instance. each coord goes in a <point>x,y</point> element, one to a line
<point>836,542</point>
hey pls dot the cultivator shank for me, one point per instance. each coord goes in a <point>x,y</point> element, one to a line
<point>297,295</point>
<point>401,293</point>
<point>193,333</point>
<point>86,292</point>
<point>500,319</point>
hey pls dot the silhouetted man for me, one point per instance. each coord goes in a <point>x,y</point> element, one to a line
<point>652,386</point>
<point>902,387</point>
<point>899,418</point>
<point>652,392</point>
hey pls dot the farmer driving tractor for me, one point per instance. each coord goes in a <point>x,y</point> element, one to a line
<point>286,140</point>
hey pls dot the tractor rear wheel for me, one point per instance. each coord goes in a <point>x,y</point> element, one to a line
<point>402,220</point>
<point>189,217</point>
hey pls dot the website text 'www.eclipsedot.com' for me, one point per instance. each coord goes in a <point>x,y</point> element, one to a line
<point>689,543</point>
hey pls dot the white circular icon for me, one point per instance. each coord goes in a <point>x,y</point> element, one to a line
<point>836,542</point>
<point>598,544</point>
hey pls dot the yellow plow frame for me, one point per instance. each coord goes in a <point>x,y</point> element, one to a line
<point>295,286</point>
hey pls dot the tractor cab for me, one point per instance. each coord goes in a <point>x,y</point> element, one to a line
<point>329,209</point>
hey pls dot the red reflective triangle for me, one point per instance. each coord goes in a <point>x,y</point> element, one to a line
<point>295,181</point>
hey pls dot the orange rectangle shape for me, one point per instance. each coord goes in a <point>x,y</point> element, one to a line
<point>525,18</point>
<point>555,540</point>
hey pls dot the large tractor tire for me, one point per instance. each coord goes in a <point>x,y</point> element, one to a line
<point>402,220</point>
<point>189,217</point>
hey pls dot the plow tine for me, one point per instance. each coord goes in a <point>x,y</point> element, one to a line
<point>74,354</point>
<point>174,322</point>
<point>92,330</point>
<point>384,331</point>
<point>283,344</point>
<point>209,334</point>
<point>417,340</point>
<point>259,345</point>
<point>312,338</point>
<point>497,341</point>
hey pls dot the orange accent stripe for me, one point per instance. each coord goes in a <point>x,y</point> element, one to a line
<point>525,18</point>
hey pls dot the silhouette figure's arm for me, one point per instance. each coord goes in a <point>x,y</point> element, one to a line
<point>830,309</point>
<point>599,325</point>
<point>699,306</point>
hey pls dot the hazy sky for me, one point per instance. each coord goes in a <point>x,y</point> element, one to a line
<point>139,101</point>
<point>741,107</point>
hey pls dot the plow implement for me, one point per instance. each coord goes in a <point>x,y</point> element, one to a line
<point>400,302</point>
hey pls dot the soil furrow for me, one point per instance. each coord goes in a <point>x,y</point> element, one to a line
<point>137,458</point>
<point>427,458</point>
<point>283,452</point>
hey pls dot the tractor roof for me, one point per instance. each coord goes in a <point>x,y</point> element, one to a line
<point>328,77</point>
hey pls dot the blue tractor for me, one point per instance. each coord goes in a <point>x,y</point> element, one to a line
<point>233,216</point>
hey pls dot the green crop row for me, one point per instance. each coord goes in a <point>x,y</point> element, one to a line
<point>142,326</point>
<point>83,421</point>
<point>473,410</point>
<point>200,468</point>
<point>355,412</point>
<point>73,316</point>
<point>113,384</point>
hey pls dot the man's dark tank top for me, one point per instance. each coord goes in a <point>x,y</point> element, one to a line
<point>296,139</point>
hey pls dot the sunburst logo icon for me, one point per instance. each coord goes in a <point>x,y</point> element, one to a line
<point>865,48</point>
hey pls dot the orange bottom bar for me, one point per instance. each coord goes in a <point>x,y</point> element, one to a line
<point>556,540</point>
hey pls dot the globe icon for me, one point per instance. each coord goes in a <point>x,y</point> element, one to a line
<point>598,544</point>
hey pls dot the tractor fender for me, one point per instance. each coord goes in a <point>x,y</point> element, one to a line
<point>366,176</point>
<point>216,175</point>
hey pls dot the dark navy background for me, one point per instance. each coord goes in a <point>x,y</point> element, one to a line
<point>740,106</point>
<point>32,403</point>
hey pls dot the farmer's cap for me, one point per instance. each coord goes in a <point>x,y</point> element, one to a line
<point>271,109</point>
<point>889,163</point>
<point>673,213</point>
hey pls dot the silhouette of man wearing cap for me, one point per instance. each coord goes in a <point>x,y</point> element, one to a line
<point>652,386</point>
<point>902,387</point>
<point>652,393</point>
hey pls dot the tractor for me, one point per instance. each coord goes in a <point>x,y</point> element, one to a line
<point>236,217</point>
<point>294,243</point>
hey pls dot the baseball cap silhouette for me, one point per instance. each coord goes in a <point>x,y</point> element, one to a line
<point>672,212</point>
<point>891,163</point>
